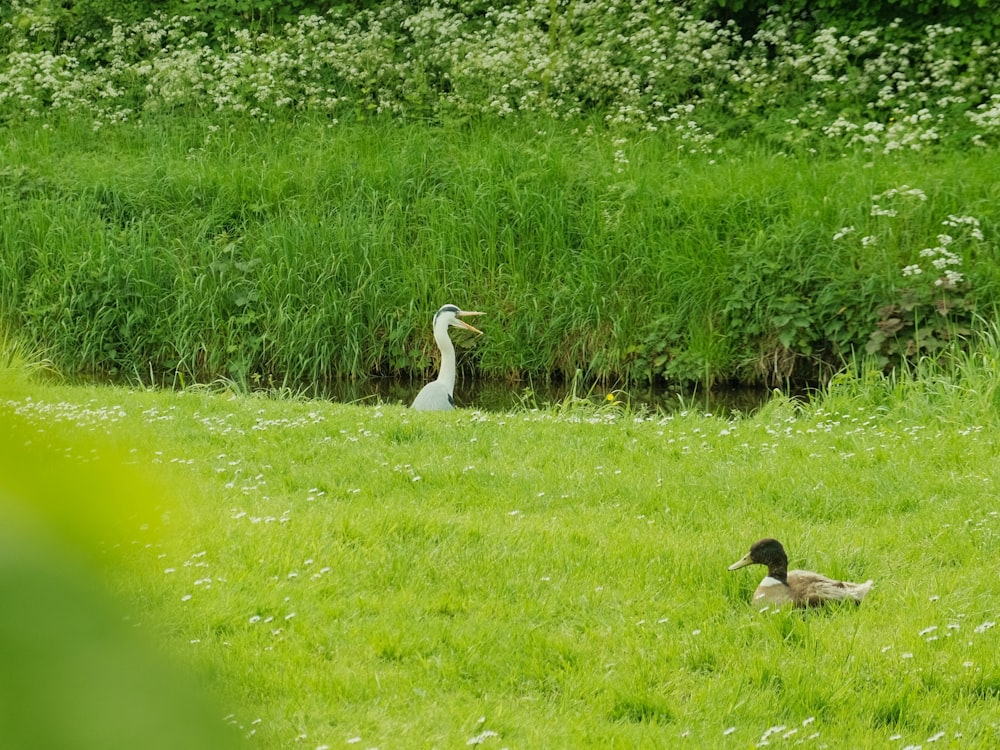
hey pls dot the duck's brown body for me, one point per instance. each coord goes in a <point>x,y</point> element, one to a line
<point>800,588</point>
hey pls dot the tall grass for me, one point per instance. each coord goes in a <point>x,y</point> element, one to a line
<point>962,386</point>
<point>188,249</point>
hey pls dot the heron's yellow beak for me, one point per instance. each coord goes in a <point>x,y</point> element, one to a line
<point>463,324</point>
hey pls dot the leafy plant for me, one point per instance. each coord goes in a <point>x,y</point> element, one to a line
<point>935,312</point>
<point>908,17</point>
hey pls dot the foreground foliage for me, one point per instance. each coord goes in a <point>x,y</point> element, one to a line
<point>372,575</point>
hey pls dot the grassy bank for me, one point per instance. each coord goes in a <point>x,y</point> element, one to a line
<point>641,192</point>
<point>372,576</point>
<point>191,248</point>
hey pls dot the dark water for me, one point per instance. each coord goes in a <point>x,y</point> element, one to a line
<point>498,396</point>
<point>504,396</point>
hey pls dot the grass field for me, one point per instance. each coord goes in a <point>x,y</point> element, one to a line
<point>345,576</point>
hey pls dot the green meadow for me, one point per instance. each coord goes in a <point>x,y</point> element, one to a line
<point>340,575</point>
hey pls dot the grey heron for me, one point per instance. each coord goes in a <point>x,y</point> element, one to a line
<point>438,395</point>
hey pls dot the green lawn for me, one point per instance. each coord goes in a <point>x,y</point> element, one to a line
<point>367,576</point>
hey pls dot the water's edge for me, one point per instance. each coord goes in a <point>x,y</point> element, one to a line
<point>499,396</point>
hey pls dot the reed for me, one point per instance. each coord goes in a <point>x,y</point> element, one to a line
<point>186,250</point>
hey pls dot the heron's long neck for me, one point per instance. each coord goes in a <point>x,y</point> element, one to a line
<point>447,373</point>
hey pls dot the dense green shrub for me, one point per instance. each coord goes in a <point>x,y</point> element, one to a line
<point>646,68</point>
<point>907,18</point>
<point>70,19</point>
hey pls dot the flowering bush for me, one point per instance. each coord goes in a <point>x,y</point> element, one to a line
<point>652,66</point>
<point>935,307</point>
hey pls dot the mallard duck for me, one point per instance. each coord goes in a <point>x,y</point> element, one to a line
<point>799,587</point>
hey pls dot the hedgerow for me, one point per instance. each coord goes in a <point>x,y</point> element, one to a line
<point>639,66</point>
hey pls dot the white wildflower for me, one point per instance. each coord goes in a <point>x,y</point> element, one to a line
<point>950,279</point>
<point>479,738</point>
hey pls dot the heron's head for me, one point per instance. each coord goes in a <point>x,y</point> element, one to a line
<point>452,314</point>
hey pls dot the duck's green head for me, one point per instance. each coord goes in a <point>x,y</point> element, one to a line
<point>767,552</point>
